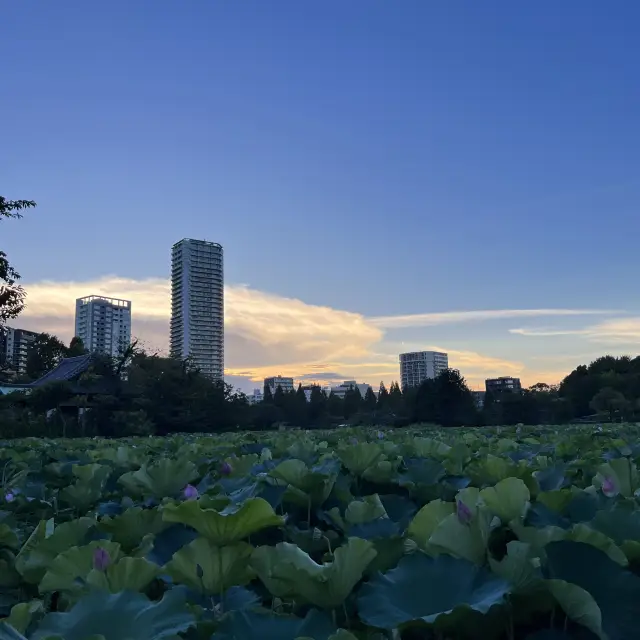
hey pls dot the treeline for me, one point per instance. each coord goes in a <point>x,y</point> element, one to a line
<point>141,394</point>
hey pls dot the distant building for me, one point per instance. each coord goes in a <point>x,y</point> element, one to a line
<point>197,305</point>
<point>418,366</point>
<point>342,389</point>
<point>286,384</point>
<point>104,324</point>
<point>14,347</point>
<point>478,398</point>
<point>501,385</point>
<point>256,397</point>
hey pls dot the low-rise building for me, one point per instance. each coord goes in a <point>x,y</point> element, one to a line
<point>478,399</point>
<point>503,385</point>
<point>342,389</point>
<point>255,397</point>
<point>286,384</point>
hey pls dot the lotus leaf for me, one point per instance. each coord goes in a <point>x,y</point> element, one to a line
<point>126,574</point>
<point>46,543</point>
<point>463,540</point>
<point>614,590</point>
<point>22,614</point>
<point>368,509</point>
<point>7,632</point>
<point>428,589</point>
<point>8,537</point>
<point>509,499</point>
<point>118,616</point>
<point>520,566</point>
<point>245,625</point>
<point>288,571</point>
<point>421,473</point>
<point>551,478</point>
<point>622,472</point>
<point>426,521</point>
<point>130,527</point>
<point>305,486</point>
<point>382,472</point>
<point>73,564</point>
<point>210,569</point>
<point>165,477</point>
<point>429,448</point>
<point>228,526</point>
<point>359,457</point>
<point>88,489</point>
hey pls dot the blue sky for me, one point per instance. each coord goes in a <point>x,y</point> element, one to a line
<point>376,158</point>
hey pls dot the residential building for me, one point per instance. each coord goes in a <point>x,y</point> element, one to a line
<point>104,324</point>
<point>256,397</point>
<point>342,389</point>
<point>14,347</point>
<point>197,305</point>
<point>478,399</point>
<point>286,384</point>
<point>418,366</point>
<point>502,385</point>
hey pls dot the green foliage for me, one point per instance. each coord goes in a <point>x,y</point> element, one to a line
<point>456,533</point>
<point>231,525</point>
<point>12,295</point>
<point>448,587</point>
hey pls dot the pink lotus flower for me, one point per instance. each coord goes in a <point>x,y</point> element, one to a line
<point>609,487</point>
<point>225,469</point>
<point>190,492</point>
<point>101,559</point>
<point>463,512</point>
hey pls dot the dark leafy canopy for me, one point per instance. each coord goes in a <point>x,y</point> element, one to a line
<point>45,352</point>
<point>12,295</point>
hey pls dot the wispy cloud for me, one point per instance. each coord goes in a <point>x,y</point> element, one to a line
<point>450,317</point>
<point>615,332</point>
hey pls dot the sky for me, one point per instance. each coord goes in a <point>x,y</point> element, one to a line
<point>383,176</point>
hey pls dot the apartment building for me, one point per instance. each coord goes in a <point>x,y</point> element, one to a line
<point>14,347</point>
<point>104,324</point>
<point>197,305</point>
<point>502,385</point>
<point>286,384</point>
<point>418,366</point>
<point>342,389</point>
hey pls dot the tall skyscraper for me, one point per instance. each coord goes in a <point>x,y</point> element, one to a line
<point>418,366</point>
<point>197,305</point>
<point>104,324</point>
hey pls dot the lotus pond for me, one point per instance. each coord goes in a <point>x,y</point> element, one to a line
<point>349,534</point>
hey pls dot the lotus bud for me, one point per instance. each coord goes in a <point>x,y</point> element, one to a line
<point>463,512</point>
<point>609,487</point>
<point>9,497</point>
<point>225,469</point>
<point>353,440</point>
<point>101,559</point>
<point>380,435</point>
<point>190,492</point>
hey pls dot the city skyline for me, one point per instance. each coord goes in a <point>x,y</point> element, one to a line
<point>250,315</point>
<point>384,179</point>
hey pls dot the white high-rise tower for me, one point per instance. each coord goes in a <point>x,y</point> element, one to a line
<point>197,305</point>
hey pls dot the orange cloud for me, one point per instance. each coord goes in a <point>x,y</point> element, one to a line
<point>267,334</point>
